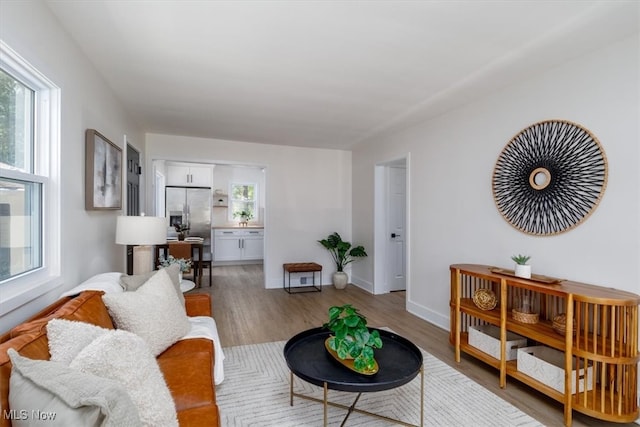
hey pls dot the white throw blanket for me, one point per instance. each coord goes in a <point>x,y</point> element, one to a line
<point>205,327</point>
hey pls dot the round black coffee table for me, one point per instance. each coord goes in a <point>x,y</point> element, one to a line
<point>399,360</point>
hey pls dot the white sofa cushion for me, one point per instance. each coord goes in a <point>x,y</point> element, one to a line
<point>132,283</point>
<point>153,312</point>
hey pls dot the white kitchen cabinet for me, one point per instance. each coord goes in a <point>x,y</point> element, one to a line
<point>238,245</point>
<point>253,245</point>
<point>189,176</point>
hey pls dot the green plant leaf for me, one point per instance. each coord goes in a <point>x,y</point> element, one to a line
<point>367,353</point>
<point>334,312</point>
<point>352,321</point>
<point>340,331</point>
<point>332,343</point>
<point>375,340</point>
<point>342,351</point>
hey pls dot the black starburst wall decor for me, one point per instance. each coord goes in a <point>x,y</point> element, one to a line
<point>550,177</point>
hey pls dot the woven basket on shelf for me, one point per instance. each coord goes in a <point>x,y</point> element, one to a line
<point>529,318</point>
<point>485,299</point>
<point>559,324</point>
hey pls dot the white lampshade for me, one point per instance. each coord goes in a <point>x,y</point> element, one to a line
<point>141,230</point>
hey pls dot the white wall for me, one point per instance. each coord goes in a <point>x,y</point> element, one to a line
<point>453,218</point>
<point>308,193</point>
<point>88,245</point>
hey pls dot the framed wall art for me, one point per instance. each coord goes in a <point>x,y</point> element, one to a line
<point>550,177</point>
<point>103,182</point>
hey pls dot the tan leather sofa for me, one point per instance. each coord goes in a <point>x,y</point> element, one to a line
<point>187,365</point>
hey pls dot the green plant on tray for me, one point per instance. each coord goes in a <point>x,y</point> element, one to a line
<point>352,338</point>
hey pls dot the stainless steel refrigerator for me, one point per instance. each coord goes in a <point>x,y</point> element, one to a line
<point>190,206</point>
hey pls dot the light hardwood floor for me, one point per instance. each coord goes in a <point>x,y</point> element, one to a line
<point>246,313</point>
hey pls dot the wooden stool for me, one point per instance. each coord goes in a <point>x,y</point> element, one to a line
<point>302,267</point>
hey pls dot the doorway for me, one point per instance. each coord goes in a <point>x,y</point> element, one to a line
<point>391,226</point>
<point>133,193</point>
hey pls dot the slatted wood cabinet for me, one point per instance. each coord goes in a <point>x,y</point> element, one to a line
<point>601,332</point>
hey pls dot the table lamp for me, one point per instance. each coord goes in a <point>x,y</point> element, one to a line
<point>141,231</point>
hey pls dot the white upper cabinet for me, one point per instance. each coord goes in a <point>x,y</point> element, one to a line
<point>189,176</point>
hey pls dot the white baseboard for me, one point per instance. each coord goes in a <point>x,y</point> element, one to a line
<point>362,284</point>
<point>429,315</point>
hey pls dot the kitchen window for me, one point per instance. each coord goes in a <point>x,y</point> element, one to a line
<point>243,197</point>
<point>29,195</point>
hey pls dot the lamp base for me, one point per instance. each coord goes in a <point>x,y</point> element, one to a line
<point>142,259</point>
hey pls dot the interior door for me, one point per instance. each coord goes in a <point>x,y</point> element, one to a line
<point>133,181</point>
<point>396,182</point>
<point>133,194</point>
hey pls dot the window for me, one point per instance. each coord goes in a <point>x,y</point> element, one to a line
<point>29,195</point>
<point>243,198</point>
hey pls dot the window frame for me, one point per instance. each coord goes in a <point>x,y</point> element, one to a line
<point>256,188</point>
<point>23,288</point>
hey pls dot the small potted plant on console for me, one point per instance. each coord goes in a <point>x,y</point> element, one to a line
<point>352,343</point>
<point>522,268</point>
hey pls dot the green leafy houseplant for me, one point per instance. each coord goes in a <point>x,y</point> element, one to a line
<point>521,259</point>
<point>244,215</point>
<point>341,251</point>
<point>352,338</point>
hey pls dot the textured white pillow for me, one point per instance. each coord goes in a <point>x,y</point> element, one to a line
<point>67,338</point>
<point>132,283</point>
<point>125,357</point>
<point>153,312</point>
<point>76,398</point>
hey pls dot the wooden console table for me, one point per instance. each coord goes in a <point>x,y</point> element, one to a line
<point>605,321</point>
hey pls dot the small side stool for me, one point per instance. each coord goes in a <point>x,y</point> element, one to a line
<point>301,267</point>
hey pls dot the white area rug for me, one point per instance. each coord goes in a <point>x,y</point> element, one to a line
<point>255,392</point>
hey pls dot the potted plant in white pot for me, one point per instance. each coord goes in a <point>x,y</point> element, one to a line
<point>245,217</point>
<point>522,268</point>
<point>343,254</point>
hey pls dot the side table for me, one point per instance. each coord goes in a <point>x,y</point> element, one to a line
<point>187,285</point>
<point>400,361</point>
<point>301,267</point>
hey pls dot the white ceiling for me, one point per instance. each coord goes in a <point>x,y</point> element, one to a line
<point>324,73</point>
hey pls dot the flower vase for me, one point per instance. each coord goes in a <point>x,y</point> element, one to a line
<point>180,277</point>
<point>181,236</point>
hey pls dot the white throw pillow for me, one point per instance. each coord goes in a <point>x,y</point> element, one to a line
<point>67,338</point>
<point>65,396</point>
<point>132,283</point>
<point>153,312</point>
<point>125,357</point>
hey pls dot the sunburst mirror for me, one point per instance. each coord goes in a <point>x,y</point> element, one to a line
<point>550,177</point>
